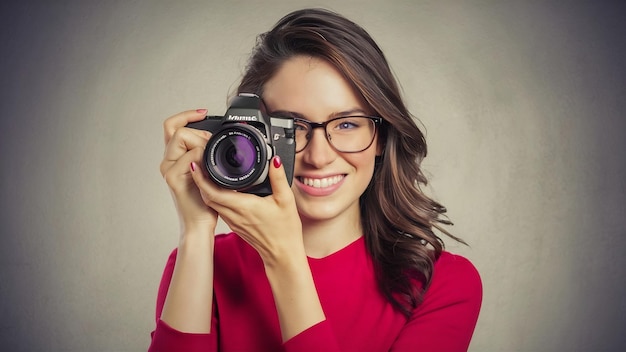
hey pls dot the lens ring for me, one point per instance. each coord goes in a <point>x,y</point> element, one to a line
<point>236,157</point>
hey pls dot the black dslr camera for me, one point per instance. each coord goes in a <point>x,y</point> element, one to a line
<point>244,140</point>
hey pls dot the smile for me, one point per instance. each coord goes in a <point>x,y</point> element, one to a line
<point>321,182</point>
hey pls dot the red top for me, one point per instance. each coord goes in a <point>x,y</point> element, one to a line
<point>358,317</point>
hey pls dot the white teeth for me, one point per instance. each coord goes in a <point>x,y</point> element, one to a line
<point>322,182</point>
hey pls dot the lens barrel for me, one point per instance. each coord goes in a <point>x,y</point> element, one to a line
<point>237,157</point>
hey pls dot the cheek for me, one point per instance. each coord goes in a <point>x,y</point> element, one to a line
<point>363,162</point>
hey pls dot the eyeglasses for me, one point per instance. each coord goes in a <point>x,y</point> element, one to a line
<point>347,134</point>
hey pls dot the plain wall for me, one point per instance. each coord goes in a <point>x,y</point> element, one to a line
<point>523,105</point>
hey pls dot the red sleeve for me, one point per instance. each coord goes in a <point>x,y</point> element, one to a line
<point>446,318</point>
<point>166,338</point>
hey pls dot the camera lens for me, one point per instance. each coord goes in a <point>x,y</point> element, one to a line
<point>236,157</point>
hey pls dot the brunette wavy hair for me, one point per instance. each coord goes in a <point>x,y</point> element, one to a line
<point>397,217</point>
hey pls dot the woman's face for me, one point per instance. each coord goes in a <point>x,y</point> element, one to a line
<point>327,184</point>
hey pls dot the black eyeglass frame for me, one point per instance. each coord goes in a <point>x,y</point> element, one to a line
<point>378,121</point>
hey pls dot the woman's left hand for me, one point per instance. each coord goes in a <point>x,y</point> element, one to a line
<point>269,224</point>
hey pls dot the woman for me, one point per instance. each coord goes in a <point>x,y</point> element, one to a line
<point>345,258</point>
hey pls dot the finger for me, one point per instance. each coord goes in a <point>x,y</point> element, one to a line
<point>187,198</point>
<point>211,192</point>
<point>177,174</point>
<point>173,123</point>
<point>278,181</point>
<point>225,201</point>
<point>184,140</point>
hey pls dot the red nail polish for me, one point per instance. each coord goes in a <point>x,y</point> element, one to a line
<point>277,162</point>
<point>193,166</point>
<point>201,111</point>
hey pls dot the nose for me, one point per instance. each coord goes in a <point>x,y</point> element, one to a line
<point>318,152</point>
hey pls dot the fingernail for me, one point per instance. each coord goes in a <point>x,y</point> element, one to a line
<point>201,111</point>
<point>277,161</point>
<point>193,166</point>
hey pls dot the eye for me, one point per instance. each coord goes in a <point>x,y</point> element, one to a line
<point>347,123</point>
<point>301,127</point>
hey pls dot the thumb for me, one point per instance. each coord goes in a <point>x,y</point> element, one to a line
<point>278,180</point>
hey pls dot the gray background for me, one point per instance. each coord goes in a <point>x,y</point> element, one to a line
<point>523,104</point>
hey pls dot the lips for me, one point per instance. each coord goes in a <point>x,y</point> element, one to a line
<point>321,182</point>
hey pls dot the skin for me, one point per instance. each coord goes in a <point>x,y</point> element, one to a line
<point>313,89</point>
<point>315,222</point>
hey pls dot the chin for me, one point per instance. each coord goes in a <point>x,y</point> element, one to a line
<point>324,212</point>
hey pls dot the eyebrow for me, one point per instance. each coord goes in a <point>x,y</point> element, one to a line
<point>293,114</point>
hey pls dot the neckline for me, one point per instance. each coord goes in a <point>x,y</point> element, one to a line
<point>354,245</point>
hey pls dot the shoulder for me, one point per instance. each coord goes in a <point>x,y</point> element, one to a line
<point>230,244</point>
<point>227,247</point>
<point>228,240</point>
<point>450,265</point>
<point>455,280</point>
<point>233,256</point>
<point>456,273</point>
<point>224,240</point>
<point>446,317</point>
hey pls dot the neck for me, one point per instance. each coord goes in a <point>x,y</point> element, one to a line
<point>324,237</point>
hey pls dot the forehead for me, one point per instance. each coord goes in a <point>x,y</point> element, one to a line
<point>310,87</point>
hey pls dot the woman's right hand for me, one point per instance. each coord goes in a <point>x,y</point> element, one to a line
<point>187,306</point>
<point>182,147</point>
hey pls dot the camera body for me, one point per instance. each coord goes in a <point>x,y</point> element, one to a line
<point>243,141</point>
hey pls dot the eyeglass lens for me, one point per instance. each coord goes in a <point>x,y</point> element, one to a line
<point>348,134</point>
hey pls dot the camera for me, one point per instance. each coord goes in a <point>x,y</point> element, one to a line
<point>243,141</point>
